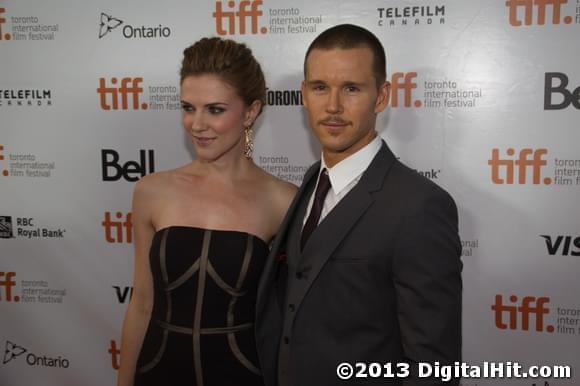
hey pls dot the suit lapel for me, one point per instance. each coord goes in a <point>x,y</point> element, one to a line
<point>337,224</point>
<point>280,241</point>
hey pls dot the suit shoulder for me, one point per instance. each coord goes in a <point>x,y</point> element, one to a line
<point>313,168</point>
<point>310,172</point>
<point>414,185</point>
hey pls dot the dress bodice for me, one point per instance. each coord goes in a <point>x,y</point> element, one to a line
<point>205,283</point>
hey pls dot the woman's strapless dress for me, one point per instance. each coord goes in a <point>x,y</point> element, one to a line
<point>201,328</point>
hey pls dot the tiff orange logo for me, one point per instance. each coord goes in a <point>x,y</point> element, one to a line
<point>503,170</point>
<point>7,282</point>
<point>6,36</point>
<point>5,172</point>
<point>225,21</point>
<point>529,306</point>
<point>540,6</point>
<point>115,354</point>
<point>110,95</point>
<point>403,82</point>
<point>120,230</point>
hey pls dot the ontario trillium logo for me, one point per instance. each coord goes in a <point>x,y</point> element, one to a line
<point>12,351</point>
<point>107,24</point>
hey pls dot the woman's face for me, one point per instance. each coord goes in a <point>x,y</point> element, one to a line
<point>215,116</point>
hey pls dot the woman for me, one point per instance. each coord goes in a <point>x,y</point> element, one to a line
<point>202,234</point>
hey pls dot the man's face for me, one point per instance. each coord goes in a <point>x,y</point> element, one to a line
<point>341,96</point>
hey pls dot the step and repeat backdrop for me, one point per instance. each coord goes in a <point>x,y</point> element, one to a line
<point>485,102</point>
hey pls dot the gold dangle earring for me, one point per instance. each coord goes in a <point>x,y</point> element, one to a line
<point>249,144</point>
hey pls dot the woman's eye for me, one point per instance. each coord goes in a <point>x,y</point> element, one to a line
<point>186,108</point>
<point>216,110</point>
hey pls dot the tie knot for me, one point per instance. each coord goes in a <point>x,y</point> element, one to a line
<point>323,182</point>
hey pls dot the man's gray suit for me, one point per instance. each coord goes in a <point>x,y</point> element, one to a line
<point>378,280</point>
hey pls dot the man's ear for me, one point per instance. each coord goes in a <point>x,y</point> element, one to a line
<point>303,91</point>
<point>383,96</point>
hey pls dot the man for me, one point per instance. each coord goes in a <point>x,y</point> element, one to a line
<point>366,266</point>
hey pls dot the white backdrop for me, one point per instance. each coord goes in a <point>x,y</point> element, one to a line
<point>486,103</point>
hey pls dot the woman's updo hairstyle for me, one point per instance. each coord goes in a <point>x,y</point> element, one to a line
<point>233,62</point>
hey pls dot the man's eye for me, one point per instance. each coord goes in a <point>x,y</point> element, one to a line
<point>352,89</point>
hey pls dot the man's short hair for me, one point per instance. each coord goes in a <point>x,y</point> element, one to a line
<point>347,36</point>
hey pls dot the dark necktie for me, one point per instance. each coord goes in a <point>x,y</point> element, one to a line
<point>318,203</point>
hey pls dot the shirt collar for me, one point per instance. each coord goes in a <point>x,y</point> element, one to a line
<point>347,170</point>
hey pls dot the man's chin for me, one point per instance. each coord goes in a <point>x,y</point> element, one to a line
<point>334,148</point>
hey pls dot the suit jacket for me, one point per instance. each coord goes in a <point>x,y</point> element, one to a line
<point>379,280</point>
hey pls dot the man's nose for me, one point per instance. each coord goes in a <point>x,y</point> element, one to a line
<point>334,102</point>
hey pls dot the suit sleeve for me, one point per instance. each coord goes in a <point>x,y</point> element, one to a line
<point>427,279</point>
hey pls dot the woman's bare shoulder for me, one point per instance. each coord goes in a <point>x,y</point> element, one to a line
<point>280,194</point>
<point>152,181</point>
<point>159,182</point>
<point>285,189</point>
<point>278,187</point>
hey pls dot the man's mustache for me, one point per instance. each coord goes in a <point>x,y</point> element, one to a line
<point>333,121</point>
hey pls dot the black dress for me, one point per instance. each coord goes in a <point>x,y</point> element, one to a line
<point>201,329</point>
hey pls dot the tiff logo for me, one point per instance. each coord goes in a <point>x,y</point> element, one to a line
<point>120,230</point>
<point>225,21</point>
<point>569,97</point>
<point>6,36</point>
<point>565,242</point>
<point>123,293</point>
<point>7,282</point>
<point>109,96</point>
<point>541,6</point>
<point>529,306</point>
<point>403,82</point>
<point>131,170</point>
<point>115,354</point>
<point>523,162</point>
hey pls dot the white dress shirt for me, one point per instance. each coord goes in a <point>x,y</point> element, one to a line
<point>344,176</point>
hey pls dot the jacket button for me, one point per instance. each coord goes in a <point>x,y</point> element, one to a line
<point>291,307</point>
<point>286,340</point>
<point>299,275</point>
